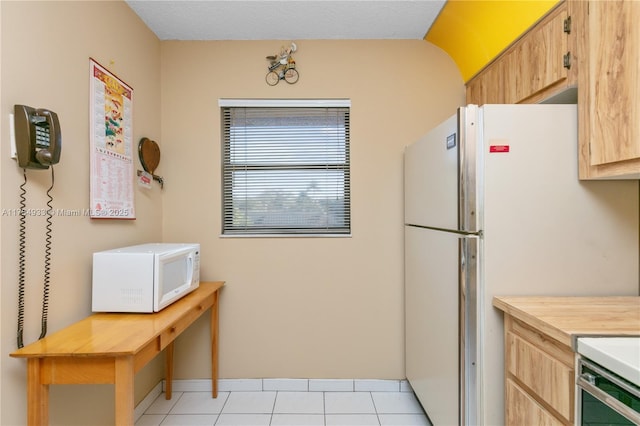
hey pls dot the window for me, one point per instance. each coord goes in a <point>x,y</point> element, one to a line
<point>285,167</point>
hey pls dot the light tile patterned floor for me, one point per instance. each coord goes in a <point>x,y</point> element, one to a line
<point>278,408</point>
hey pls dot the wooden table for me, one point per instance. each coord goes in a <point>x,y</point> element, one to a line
<point>111,348</point>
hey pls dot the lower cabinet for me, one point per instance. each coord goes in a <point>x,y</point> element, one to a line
<point>523,409</point>
<point>539,377</point>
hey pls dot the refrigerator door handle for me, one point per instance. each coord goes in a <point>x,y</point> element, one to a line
<point>453,231</point>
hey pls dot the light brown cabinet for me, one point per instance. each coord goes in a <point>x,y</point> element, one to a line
<point>532,68</point>
<point>608,58</point>
<point>488,87</point>
<point>539,334</point>
<point>538,60</point>
<point>525,410</point>
<point>585,52</point>
<point>539,377</point>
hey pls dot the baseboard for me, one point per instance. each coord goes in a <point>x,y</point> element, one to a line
<point>148,400</point>
<point>296,385</point>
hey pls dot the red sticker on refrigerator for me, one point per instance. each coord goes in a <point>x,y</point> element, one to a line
<point>498,148</point>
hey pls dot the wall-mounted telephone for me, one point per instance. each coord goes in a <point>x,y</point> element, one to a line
<point>38,142</point>
<point>37,136</point>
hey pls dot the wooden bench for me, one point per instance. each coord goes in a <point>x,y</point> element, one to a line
<point>111,348</point>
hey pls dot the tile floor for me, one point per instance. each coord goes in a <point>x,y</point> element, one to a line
<point>296,408</point>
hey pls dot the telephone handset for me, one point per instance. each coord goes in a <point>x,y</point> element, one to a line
<point>38,138</point>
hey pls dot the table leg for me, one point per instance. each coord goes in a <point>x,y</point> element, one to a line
<point>214,345</point>
<point>168,371</point>
<point>37,395</point>
<point>124,390</point>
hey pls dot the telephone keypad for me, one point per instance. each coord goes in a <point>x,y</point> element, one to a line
<point>42,136</point>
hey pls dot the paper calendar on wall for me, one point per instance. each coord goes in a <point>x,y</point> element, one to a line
<point>111,151</point>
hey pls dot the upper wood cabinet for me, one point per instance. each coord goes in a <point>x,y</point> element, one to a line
<point>538,60</point>
<point>608,63</point>
<point>488,87</point>
<point>592,48</point>
<point>532,68</point>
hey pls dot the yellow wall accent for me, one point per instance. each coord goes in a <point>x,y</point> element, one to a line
<point>473,32</point>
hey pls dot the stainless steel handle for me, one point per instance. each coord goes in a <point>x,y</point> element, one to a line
<point>586,382</point>
<point>590,378</point>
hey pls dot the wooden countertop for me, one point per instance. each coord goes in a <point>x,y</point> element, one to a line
<point>565,318</point>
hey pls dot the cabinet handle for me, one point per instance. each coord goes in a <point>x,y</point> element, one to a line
<point>566,60</point>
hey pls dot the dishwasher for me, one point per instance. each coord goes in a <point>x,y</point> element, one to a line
<point>608,381</point>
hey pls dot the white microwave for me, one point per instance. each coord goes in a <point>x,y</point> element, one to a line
<point>144,278</point>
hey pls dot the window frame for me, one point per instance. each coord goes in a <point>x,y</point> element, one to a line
<point>275,231</point>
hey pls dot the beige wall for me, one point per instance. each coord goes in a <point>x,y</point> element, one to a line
<point>302,307</point>
<point>45,63</point>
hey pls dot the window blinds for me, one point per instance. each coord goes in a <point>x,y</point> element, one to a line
<point>286,170</point>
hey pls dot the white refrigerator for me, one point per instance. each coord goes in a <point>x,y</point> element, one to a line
<point>493,206</point>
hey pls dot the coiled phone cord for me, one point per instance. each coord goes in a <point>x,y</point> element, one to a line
<point>23,206</point>
<point>47,261</point>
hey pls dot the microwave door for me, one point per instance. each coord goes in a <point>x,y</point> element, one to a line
<point>175,278</point>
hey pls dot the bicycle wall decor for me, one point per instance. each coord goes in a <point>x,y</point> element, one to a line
<point>282,66</point>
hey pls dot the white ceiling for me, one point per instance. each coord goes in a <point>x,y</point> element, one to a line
<point>287,19</point>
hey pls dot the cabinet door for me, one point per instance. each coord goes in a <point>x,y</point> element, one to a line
<point>524,410</point>
<point>549,379</point>
<point>540,372</point>
<point>538,61</point>
<point>609,88</point>
<point>488,86</point>
<point>531,69</point>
